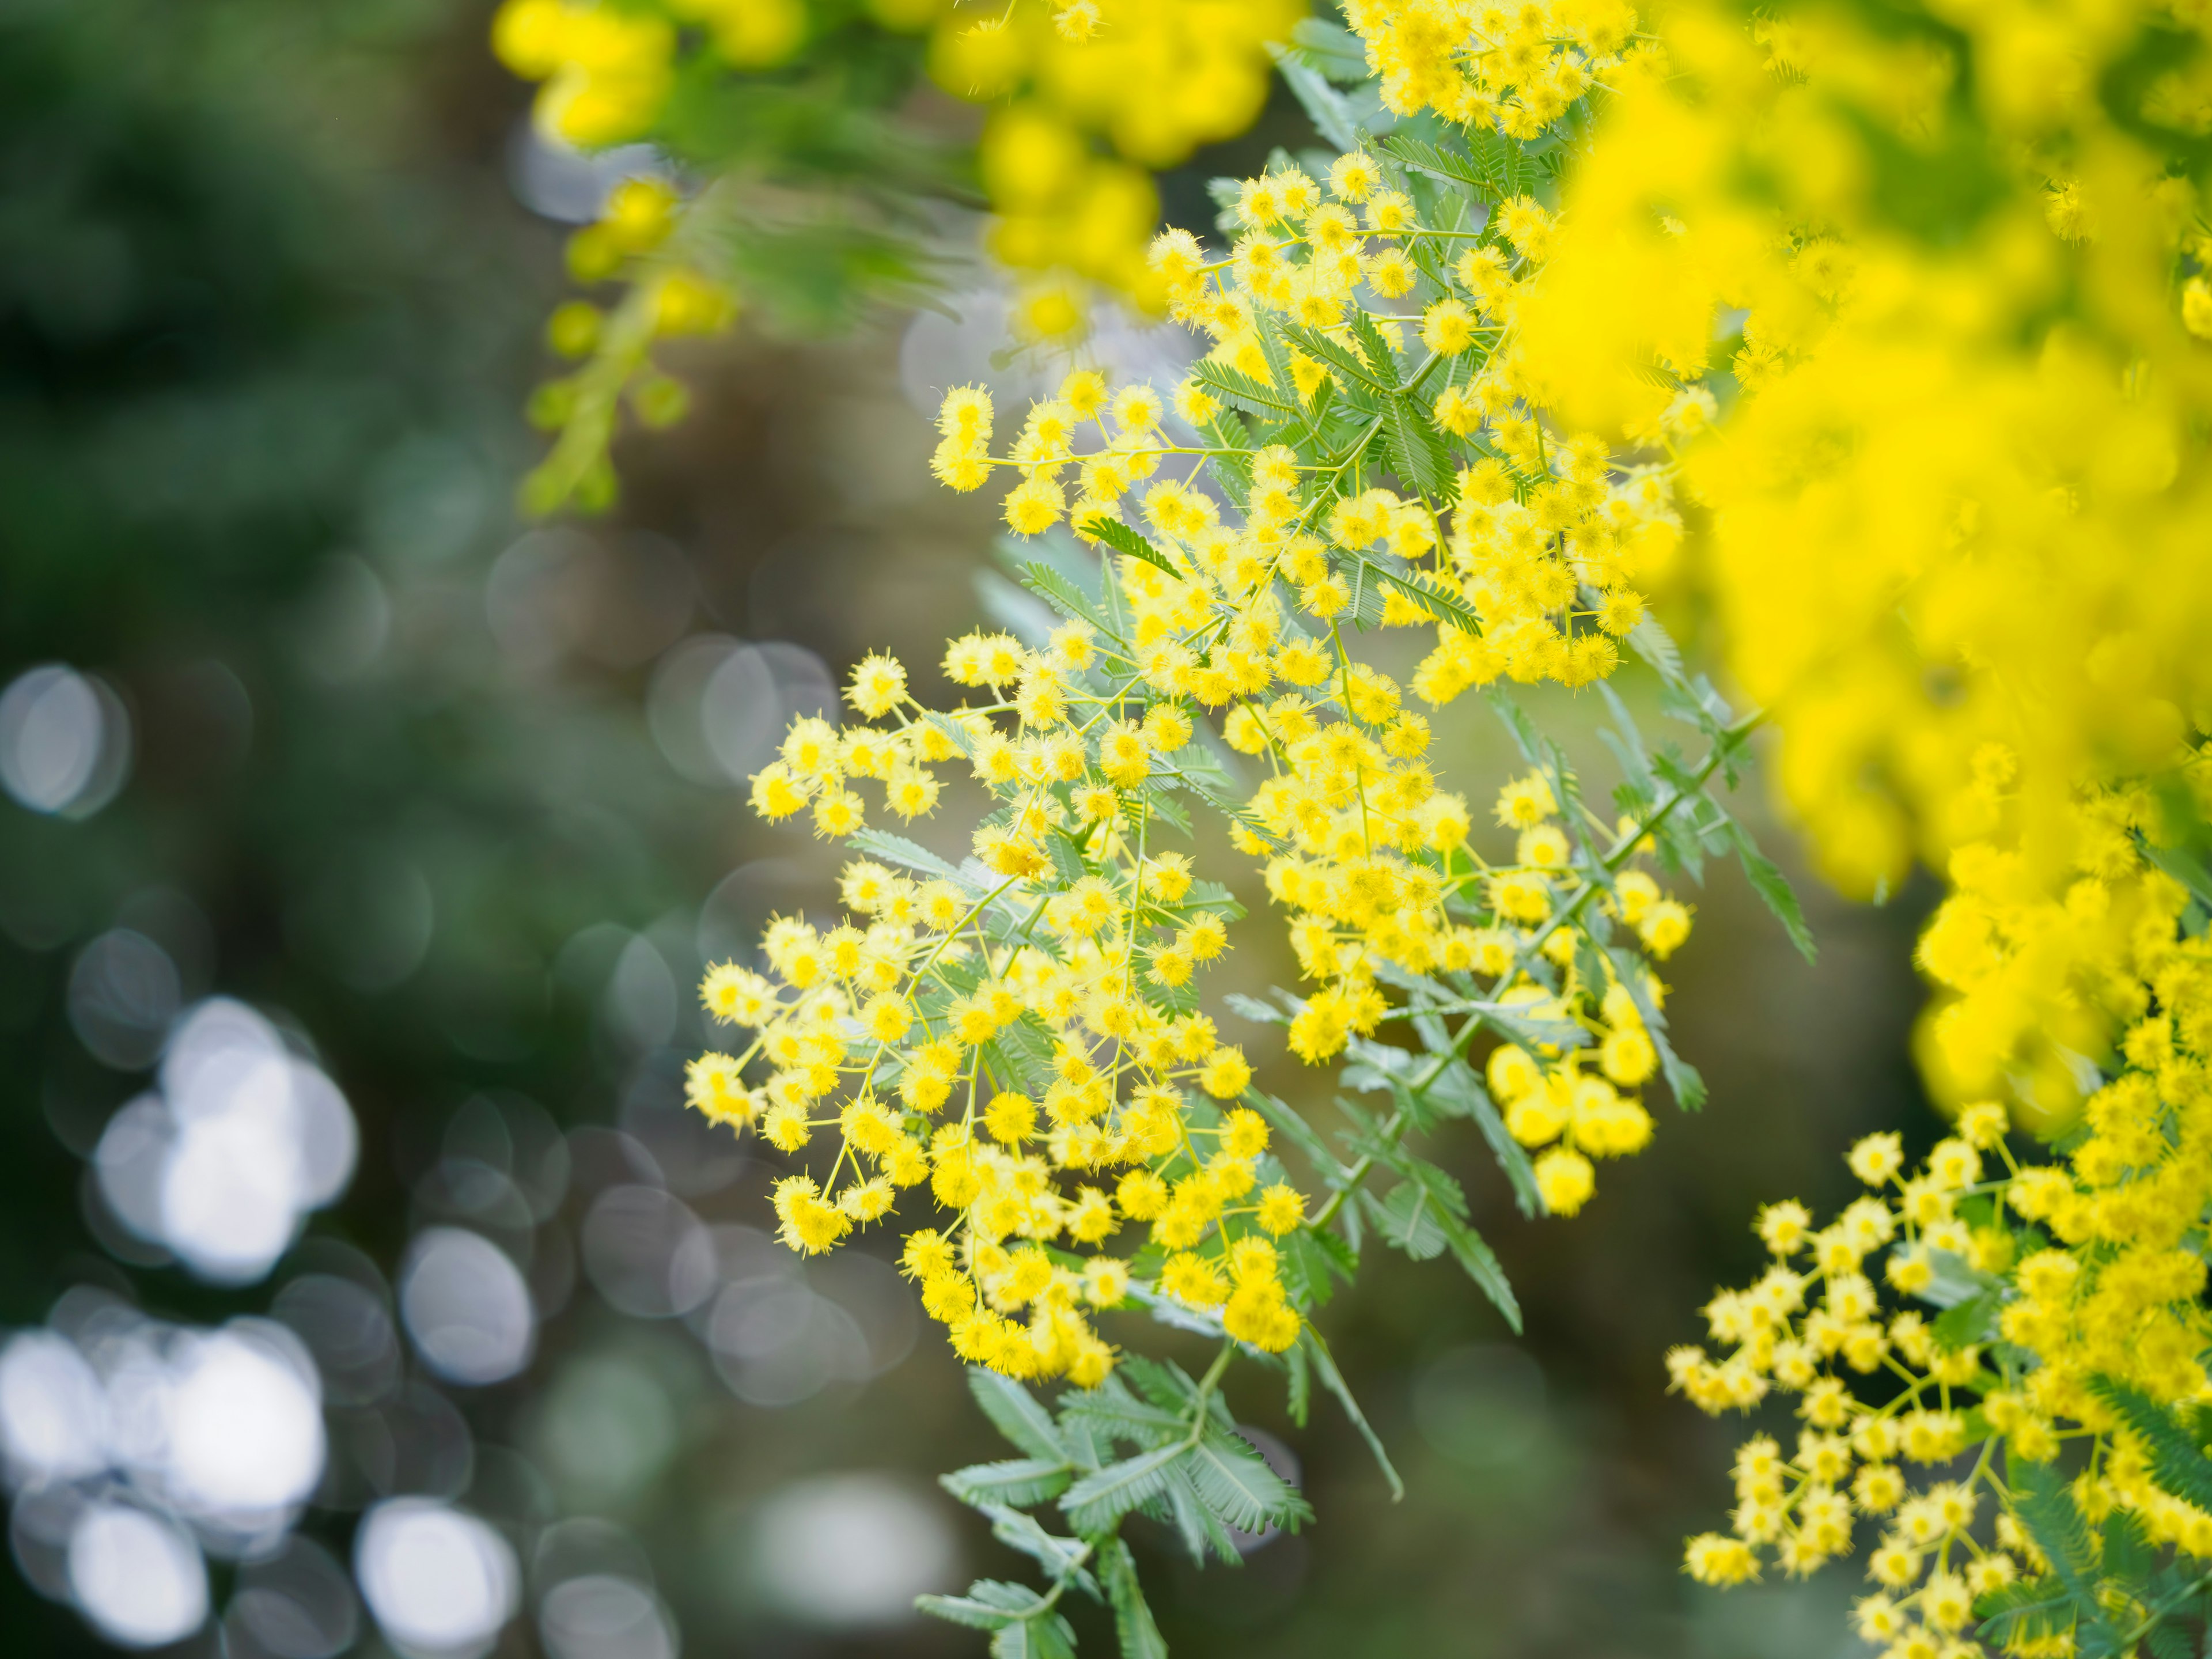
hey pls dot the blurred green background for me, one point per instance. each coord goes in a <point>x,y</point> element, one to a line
<point>405,1266</point>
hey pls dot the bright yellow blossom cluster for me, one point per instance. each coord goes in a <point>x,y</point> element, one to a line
<point>1365,852</point>
<point>1917,307</point>
<point>1516,68</point>
<point>1980,431</point>
<point>1359,452</point>
<point>1985,649</point>
<point>2035,957</point>
<point>1908,318</point>
<point>1058,74</point>
<point>1524,560</point>
<point>1018,1033</point>
<point>1813,1324</point>
<point>1021,1032</point>
<point>2073,1297</point>
<point>1152,79</point>
<point>818,229</point>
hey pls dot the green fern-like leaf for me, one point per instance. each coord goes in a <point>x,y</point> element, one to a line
<point>1094,1503</point>
<point>2178,1462</point>
<point>1020,1481</point>
<point>1235,1482</point>
<point>1017,1413</point>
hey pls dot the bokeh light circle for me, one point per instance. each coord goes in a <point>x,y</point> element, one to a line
<point>439,1582</point>
<point>139,1579</point>
<point>466,1306</point>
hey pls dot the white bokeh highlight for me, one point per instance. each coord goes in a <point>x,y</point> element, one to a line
<point>439,1582</point>
<point>53,1411</point>
<point>466,1306</point>
<point>603,1616</point>
<point>851,1552</point>
<point>64,741</point>
<point>139,1579</point>
<point>245,1428</point>
<point>222,1165</point>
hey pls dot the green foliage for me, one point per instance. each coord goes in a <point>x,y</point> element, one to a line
<point>2177,1460</point>
<point>1187,1468</point>
<point>2106,1586</point>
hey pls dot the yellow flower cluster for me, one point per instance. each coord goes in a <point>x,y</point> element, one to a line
<point>1809,1329</point>
<point>1364,850</point>
<point>1152,79</point>
<point>1533,573</point>
<point>2038,958</point>
<point>1981,436</point>
<point>1516,68</point>
<point>2061,1278</point>
<point>1059,75</point>
<point>1020,1033</point>
<point>1046,989</point>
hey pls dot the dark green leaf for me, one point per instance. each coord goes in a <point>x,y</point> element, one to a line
<point>2024,1611</point>
<point>1468,1249</point>
<point>1162,1382</point>
<point>1016,1414</point>
<point>1201,1529</point>
<point>2184,868</point>
<point>1266,402</point>
<point>1293,1129</point>
<point>1773,888</point>
<point>897,849</point>
<point>1333,49</point>
<point>1341,358</point>
<point>2129,1552</point>
<point>1160,803</point>
<point>1018,612</point>
<point>1020,1481</point>
<point>1652,642</point>
<point>1063,596</point>
<point>1425,157</point>
<point>2046,1508</point>
<point>1235,1482</point>
<point>1462,1094</point>
<point>1133,1617</point>
<point>1213,796</point>
<point>1444,602</point>
<point>1123,539</point>
<point>990,1604</point>
<point>1310,1268</point>
<point>1300,1396</point>
<point>1956,1281</point>
<point>1066,857</point>
<point>1041,1636</point>
<point>1112,1413</point>
<point>1060,1558</point>
<point>1258,1013</point>
<point>1382,362</point>
<point>1324,1366</point>
<point>1095,1503</point>
<point>1406,1218</point>
<point>1682,1078</point>
<point>1967,1323</point>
